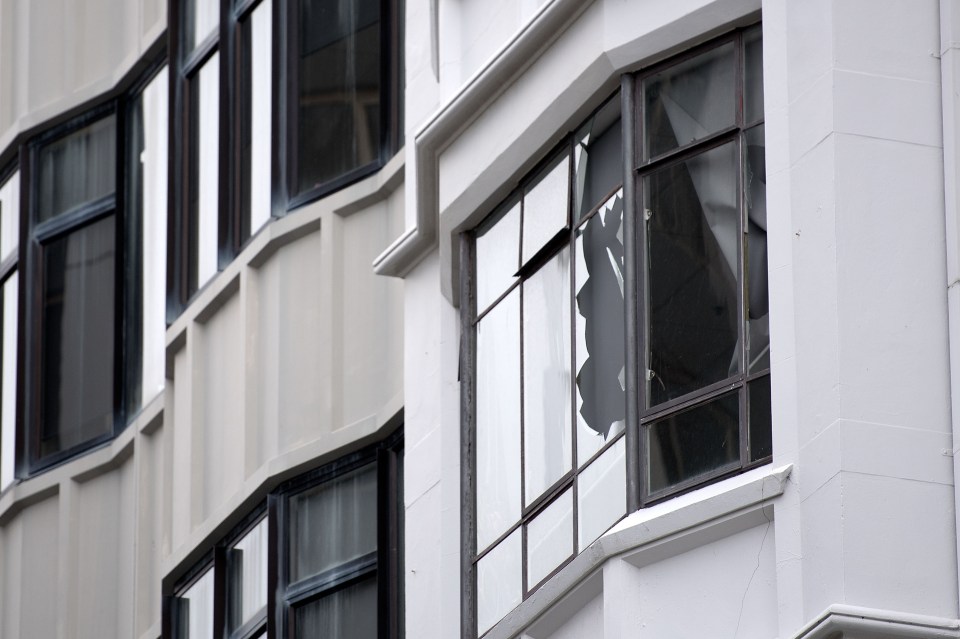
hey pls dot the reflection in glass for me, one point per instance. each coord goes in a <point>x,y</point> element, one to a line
<point>248,560</point>
<point>339,89</point>
<point>752,75</point>
<point>255,112</point>
<point>8,377</point>
<point>77,169</point>
<point>601,494</point>
<point>758,318</point>
<point>601,396</point>
<point>760,422</point>
<point>546,375</point>
<point>145,262</point>
<point>9,215</point>
<point>77,334</point>
<point>690,100</point>
<point>693,443</point>
<point>333,523</point>
<point>549,538</point>
<point>201,18</point>
<point>693,264</point>
<point>545,205</point>
<point>498,420</point>
<point>499,588</point>
<point>498,251</point>
<point>598,156</point>
<point>205,171</point>
<point>348,613</point>
<point>198,603</point>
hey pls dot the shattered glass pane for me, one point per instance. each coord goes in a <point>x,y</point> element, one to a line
<point>601,494</point>
<point>761,435</point>
<point>693,443</point>
<point>549,538</point>
<point>758,302</point>
<point>598,158</point>
<point>498,254</point>
<point>601,395</point>
<point>499,587</point>
<point>690,100</point>
<point>692,260</point>
<point>498,420</point>
<point>753,75</point>
<point>546,375</point>
<point>545,207</point>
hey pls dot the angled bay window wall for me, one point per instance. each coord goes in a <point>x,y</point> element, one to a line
<point>95,260</point>
<point>618,332</point>
<point>9,311</point>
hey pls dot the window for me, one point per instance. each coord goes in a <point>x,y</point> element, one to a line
<point>619,331</point>
<point>331,543</point>
<point>95,246</point>
<point>9,292</point>
<point>259,133</point>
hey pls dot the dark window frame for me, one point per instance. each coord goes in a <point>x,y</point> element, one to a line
<point>637,417</point>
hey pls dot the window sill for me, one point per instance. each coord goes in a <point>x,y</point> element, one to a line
<point>649,535</point>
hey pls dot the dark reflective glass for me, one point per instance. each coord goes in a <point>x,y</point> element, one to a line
<point>333,523</point>
<point>693,263</point>
<point>133,262</point>
<point>752,76</point>
<point>758,301</point>
<point>348,613</point>
<point>339,89</point>
<point>690,100</point>
<point>693,443</point>
<point>78,331</point>
<point>77,169</point>
<point>761,436</point>
<point>598,156</point>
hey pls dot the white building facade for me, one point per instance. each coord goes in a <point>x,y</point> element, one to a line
<point>448,318</point>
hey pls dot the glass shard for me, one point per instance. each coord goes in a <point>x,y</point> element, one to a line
<point>598,157</point>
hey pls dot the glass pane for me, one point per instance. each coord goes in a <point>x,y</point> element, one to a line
<point>692,443</point>
<point>197,601</point>
<point>690,100</point>
<point>499,587</point>
<point>255,113</point>
<point>333,523</point>
<point>205,171</point>
<point>601,494</point>
<point>761,432</point>
<point>9,216</point>
<point>598,157</point>
<point>8,371</point>
<point>339,89</point>
<point>146,244</point>
<point>549,538</point>
<point>546,375</point>
<point>758,301</point>
<point>249,566</point>
<point>601,396</point>
<point>498,252</point>
<point>348,613</point>
<point>498,420</point>
<point>692,291</point>
<point>78,337</point>
<point>752,75</point>
<point>77,169</point>
<point>201,18</point>
<point>545,205</point>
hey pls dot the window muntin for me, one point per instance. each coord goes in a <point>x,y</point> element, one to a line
<point>701,343</point>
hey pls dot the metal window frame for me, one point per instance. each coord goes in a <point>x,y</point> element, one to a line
<point>635,168</point>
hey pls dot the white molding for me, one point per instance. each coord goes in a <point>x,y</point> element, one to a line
<point>857,621</point>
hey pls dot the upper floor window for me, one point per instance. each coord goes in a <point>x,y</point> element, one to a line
<point>95,258</point>
<point>9,312</point>
<point>620,331</point>
<point>280,103</point>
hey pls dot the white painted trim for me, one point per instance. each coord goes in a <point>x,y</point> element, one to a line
<point>652,534</point>
<point>490,81</point>
<point>880,624</point>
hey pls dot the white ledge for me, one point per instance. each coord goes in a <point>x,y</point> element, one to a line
<point>844,620</point>
<point>651,534</point>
